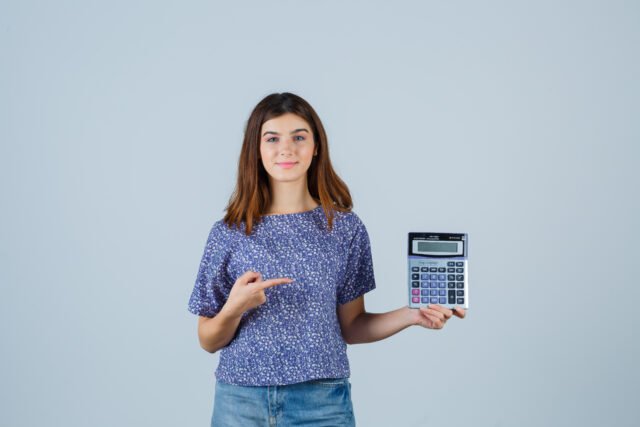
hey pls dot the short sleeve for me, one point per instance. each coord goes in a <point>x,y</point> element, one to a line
<point>359,278</point>
<point>212,285</point>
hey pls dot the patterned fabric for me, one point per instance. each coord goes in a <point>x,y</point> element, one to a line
<point>295,335</point>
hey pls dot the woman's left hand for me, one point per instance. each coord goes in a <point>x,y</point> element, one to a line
<point>435,316</point>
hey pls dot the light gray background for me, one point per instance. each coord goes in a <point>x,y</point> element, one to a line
<point>516,122</point>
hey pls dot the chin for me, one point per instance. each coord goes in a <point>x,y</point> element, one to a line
<point>283,176</point>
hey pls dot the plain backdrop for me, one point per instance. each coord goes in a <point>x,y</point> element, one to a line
<point>514,121</point>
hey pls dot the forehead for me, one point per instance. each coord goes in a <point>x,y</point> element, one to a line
<point>284,123</point>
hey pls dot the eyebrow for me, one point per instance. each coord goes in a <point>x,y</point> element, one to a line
<point>291,133</point>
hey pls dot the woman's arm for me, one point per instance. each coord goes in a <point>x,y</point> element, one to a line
<point>218,331</point>
<point>246,293</point>
<point>358,326</point>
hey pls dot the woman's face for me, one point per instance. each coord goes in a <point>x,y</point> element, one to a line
<point>286,147</point>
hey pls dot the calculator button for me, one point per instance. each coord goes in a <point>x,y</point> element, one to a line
<point>441,277</point>
<point>433,269</point>
<point>451,270</point>
<point>460,285</point>
<point>415,284</point>
<point>425,291</point>
<point>425,284</point>
<point>441,285</point>
<point>424,277</point>
<point>451,285</point>
<point>434,277</point>
<point>415,299</point>
<point>415,276</point>
<point>425,300</point>
<point>442,292</point>
<point>451,277</point>
<point>434,300</point>
<point>460,301</point>
<point>415,291</point>
<point>451,264</point>
<point>415,268</point>
<point>460,277</point>
<point>434,292</point>
<point>425,269</point>
<point>443,300</point>
<point>452,297</point>
<point>441,270</point>
<point>460,293</point>
<point>459,264</point>
<point>459,270</point>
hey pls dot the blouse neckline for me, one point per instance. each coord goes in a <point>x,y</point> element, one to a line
<point>292,214</point>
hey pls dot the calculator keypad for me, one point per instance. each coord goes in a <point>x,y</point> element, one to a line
<point>440,282</point>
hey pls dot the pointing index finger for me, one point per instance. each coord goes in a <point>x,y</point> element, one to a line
<point>273,282</point>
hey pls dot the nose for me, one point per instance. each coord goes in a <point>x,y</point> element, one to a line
<point>286,147</point>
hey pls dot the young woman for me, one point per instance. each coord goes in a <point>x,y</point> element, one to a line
<point>281,283</point>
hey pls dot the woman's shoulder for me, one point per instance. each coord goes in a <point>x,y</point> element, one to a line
<point>349,216</point>
<point>227,229</point>
<point>348,221</point>
<point>221,231</point>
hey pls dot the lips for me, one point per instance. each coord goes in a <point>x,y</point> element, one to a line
<point>287,165</point>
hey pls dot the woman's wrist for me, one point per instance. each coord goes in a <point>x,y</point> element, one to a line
<point>231,311</point>
<point>411,315</point>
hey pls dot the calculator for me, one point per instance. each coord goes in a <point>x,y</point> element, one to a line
<point>438,269</point>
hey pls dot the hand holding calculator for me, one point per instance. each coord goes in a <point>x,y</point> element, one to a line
<point>438,269</point>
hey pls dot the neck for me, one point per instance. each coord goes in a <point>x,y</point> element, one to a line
<point>290,197</point>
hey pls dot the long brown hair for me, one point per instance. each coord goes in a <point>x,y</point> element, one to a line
<point>252,195</point>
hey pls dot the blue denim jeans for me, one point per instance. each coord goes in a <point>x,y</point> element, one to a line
<point>315,403</point>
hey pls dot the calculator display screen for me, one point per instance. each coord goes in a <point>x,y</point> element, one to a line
<point>437,247</point>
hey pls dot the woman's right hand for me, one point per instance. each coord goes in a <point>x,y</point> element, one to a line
<point>248,291</point>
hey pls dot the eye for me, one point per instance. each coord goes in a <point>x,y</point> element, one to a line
<point>301,137</point>
<point>269,139</point>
